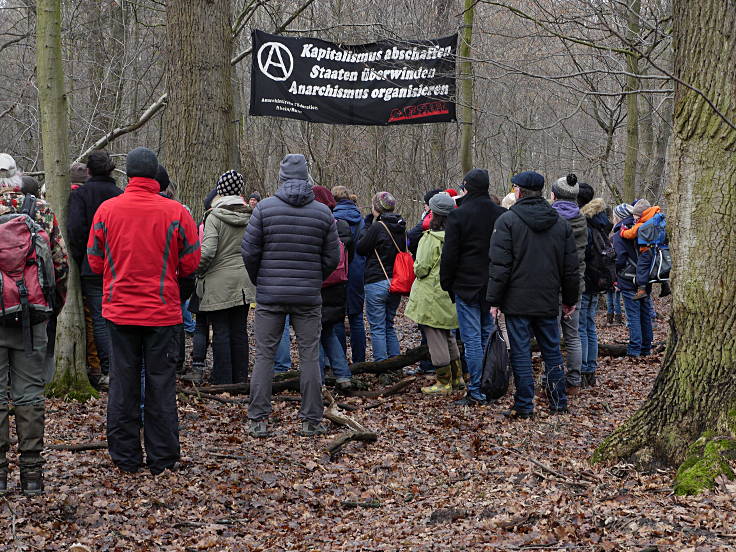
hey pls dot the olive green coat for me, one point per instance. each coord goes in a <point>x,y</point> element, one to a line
<point>222,281</point>
<point>429,304</point>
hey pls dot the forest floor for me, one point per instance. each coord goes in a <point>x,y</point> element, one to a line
<point>438,478</point>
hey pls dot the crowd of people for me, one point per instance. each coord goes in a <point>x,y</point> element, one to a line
<point>305,258</point>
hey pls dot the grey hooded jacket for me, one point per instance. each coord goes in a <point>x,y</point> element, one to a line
<point>290,245</point>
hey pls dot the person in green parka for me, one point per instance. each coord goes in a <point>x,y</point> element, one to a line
<point>431,307</point>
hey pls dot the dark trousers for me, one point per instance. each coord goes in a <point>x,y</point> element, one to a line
<point>200,339</point>
<point>132,348</point>
<point>229,344</point>
<point>92,293</point>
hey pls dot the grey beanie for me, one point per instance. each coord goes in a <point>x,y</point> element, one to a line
<point>141,162</point>
<point>566,187</point>
<point>639,208</point>
<point>442,204</point>
<point>293,167</point>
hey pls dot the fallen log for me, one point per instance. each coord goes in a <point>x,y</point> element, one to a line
<point>358,433</point>
<point>79,447</point>
<point>335,446</point>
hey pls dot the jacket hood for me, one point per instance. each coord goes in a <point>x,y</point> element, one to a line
<point>234,215</point>
<point>347,211</point>
<point>567,209</point>
<point>393,221</point>
<point>601,221</point>
<point>536,213</point>
<point>295,192</point>
<point>593,207</point>
<point>649,213</point>
<point>143,184</point>
<point>438,235</point>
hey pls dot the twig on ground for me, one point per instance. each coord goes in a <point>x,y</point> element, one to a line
<point>79,447</point>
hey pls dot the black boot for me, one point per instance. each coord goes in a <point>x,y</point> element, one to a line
<point>29,424</point>
<point>4,446</point>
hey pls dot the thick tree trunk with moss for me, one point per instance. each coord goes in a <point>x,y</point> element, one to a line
<point>198,123</point>
<point>70,378</point>
<point>690,415</point>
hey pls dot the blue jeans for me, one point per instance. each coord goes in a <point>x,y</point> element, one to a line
<point>475,329</point>
<point>613,302</point>
<point>189,325</point>
<point>639,320</point>
<point>331,348</point>
<point>547,331</point>
<point>588,334</point>
<point>357,337</point>
<point>282,358</point>
<point>380,308</point>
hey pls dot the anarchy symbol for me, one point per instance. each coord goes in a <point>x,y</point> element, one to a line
<point>272,56</point>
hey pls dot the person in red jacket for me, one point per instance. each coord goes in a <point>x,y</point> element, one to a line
<point>142,243</point>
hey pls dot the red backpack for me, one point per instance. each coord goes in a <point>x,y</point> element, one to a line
<point>403,276</point>
<point>340,274</point>
<point>27,282</point>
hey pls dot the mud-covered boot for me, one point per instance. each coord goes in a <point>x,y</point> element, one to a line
<point>456,368</point>
<point>29,424</point>
<point>4,447</point>
<point>443,384</point>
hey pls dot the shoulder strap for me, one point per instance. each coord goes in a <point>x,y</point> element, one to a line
<point>29,206</point>
<point>390,235</point>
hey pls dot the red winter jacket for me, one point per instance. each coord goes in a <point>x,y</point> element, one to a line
<point>141,243</point>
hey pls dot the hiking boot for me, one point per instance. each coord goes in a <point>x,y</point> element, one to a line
<point>516,415</point>
<point>344,384</point>
<point>619,319</point>
<point>104,381</point>
<point>443,384</point>
<point>468,400</point>
<point>3,482</point>
<point>458,378</point>
<point>665,289</point>
<point>588,380</point>
<point>259,429</point>
<point>310,429</point>
<point>640,294</point>
<point>562,410</point>
<point>196,375</point>
<point>31,481</point>
<point>609,318</point>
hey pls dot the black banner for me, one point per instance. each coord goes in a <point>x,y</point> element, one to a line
<point>383,83</point>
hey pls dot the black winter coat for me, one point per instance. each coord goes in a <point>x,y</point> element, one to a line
<point>83,204</point>
<point>290,246</point>
<point>464,261</point>
<point>595,215</point>
<point>532,258</point>
<point>375,239</point>
<point>334,298</point>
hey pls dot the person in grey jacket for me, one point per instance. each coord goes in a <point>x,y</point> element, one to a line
<point>290,247</point>
<point>223,286</point>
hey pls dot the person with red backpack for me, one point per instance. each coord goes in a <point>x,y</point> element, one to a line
<point>142,244</point>
<point>33,274</point>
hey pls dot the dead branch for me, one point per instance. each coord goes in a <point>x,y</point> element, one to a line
<point>388,391</point>
<point>335,446</point>
<point>79,447</point>
<point>358,433</point>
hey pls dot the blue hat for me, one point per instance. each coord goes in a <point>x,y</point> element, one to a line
<point>528,179</point>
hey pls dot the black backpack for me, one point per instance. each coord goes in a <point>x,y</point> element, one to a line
<point>601,263</point>
<point>494,382</point>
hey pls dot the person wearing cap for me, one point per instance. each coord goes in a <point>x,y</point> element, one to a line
<point>253,199</point>
<point>564,201</point>
<point>533,260</point>
<point>77,175</point>
<point>638,311</point>
<point>464,274</point>
<point>415,234</point>
<point>141,254</point>
<point>431,307</point>
<point>224,289</point>
<point>83,204</point>
<point>23,374</point>
<point>383,237</point>
<point>290,247</point>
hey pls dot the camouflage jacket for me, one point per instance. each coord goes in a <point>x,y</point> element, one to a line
<point>11,201</point>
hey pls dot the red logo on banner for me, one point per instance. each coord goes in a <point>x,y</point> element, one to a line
<point>418,111</point>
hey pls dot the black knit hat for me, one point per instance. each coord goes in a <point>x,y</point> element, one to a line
<point>162,176</point>
<point>141,162</point>
<point>430,194</point>
<point>476,180</point>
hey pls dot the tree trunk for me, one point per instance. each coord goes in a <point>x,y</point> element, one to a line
<point>198,120</point>
<point>632,107</point>
<point>466,87</point>
<point>694,396</point>
<point>70,379</point>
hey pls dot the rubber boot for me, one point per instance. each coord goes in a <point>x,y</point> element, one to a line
<point>443,384</point>
<point>4,447</point>
<point>456,367</point>
<point>29,424</point>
